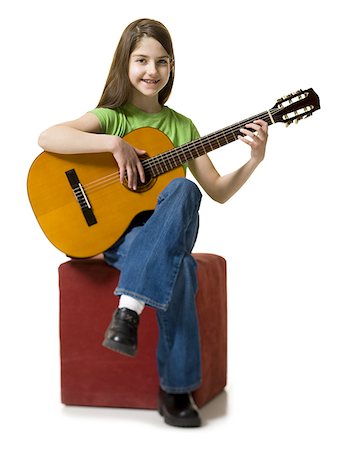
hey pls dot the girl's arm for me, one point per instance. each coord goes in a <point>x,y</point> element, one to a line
<point>221,188</point>
<point>84,135</point>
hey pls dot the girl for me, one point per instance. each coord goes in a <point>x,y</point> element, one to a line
<point>154,255</point>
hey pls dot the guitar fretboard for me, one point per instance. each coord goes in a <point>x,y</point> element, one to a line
<point>176,157</point>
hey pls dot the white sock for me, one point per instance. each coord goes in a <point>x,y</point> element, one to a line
<point>131,303</point>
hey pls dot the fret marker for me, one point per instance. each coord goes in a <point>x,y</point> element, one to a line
<point>270,115</point>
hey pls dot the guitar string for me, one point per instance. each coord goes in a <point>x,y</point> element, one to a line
<point>212,138</point>
<point>163,158</point>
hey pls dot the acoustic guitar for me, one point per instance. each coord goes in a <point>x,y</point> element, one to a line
<point>83,208</point>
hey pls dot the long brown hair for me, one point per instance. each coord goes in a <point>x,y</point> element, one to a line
<point>117,88</point>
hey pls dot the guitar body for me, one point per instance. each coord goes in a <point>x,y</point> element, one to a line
<point>112,206</point>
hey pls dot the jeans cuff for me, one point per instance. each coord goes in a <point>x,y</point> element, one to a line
<point>181,390</point>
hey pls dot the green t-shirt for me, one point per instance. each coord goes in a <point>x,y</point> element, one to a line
<point>127,118</point>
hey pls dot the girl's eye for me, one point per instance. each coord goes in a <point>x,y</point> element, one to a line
<point>162,62</point>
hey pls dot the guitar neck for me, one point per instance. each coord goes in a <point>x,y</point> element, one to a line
<point>171,159</point>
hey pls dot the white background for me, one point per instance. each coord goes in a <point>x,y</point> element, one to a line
<point>278,234</point>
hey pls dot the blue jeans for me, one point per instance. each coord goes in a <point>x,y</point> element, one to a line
<point>154,257</point>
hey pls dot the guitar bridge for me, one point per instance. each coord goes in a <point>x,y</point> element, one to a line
<point>81,197</point>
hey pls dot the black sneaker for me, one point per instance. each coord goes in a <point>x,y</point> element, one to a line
<point>121,335</point>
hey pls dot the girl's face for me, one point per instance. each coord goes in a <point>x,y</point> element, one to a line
<point>149,69</point>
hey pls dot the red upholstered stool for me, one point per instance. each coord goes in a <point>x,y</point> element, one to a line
<point>92,375</point>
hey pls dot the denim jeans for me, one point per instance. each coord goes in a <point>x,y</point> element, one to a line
<point>154,257</point>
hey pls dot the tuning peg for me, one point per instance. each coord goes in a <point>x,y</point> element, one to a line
<point>296,121</point>
<point>287,124</point>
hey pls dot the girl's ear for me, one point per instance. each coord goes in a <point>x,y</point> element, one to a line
<point>172,65</point>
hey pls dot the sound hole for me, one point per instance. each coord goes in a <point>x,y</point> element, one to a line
<point>142,187</point>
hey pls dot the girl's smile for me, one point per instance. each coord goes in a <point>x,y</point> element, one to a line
<point>151,81</point>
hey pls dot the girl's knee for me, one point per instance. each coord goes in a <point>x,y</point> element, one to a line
<point>185,187</point>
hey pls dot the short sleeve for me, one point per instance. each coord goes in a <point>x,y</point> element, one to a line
<point>194,132</point>
<point>112,121</point>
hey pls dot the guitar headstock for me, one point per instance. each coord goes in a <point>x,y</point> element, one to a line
<point>296,106</point>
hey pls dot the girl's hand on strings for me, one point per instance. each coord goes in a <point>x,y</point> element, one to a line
<point>256,135</point>
<point>127,158</point>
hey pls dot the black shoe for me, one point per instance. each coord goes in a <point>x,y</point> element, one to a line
<point>178,410</point>
<point>121,335</point>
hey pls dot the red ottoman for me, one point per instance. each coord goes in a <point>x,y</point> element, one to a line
<point>92,375</point>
